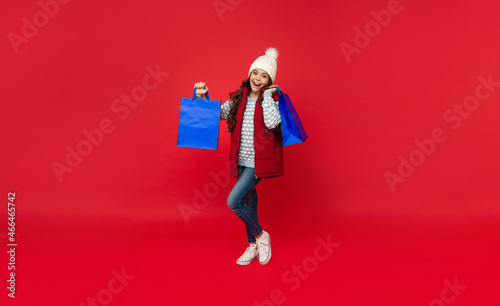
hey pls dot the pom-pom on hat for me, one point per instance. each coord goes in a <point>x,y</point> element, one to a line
<point>267,63</point>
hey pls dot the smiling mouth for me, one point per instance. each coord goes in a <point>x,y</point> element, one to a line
<point>255,85</point>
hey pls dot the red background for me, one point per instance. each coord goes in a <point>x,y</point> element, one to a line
<point>120,207</point>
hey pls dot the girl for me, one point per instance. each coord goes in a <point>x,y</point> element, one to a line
<point>256,151</point>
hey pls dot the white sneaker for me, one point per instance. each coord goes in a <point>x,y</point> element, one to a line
<point>264,247</point>
<point>249,255</point>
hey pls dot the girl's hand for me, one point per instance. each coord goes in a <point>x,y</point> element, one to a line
<point>200,88</point>
<point>272,89</point>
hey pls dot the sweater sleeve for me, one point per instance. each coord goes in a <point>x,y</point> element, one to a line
<point>272,117</point>
<point>224,109</point>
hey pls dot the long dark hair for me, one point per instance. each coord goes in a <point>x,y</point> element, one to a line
<point>238,96</point>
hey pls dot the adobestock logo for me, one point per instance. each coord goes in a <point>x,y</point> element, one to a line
<point>298,273</point>
<point>31,27</point>
<point>449,294</point>
<point>115,286</point>
<point>210,190</point>
<point>122,107</point>
<point>455,116</point>
<point>221,7</point>
<point>373,28</point>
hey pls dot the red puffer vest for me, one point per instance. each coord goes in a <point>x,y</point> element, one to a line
<point>268,147</point>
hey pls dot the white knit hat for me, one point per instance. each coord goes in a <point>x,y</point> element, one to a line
<point>267,63</point>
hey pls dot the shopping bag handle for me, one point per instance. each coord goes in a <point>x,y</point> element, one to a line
<point>206,94</point>
<point>279,91</point>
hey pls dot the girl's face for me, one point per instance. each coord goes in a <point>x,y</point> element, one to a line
<point>258,79</point>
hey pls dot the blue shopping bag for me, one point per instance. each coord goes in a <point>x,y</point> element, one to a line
<point>291,128</point>
<point>199,123</point>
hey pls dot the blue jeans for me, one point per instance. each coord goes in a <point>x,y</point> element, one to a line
<point>242,200</point>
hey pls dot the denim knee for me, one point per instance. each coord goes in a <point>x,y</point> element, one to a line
<point>233,204</point>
